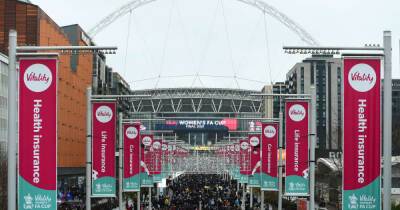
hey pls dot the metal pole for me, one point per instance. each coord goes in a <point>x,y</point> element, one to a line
<point>138,200</point>
<point>251,197</point>
<point>387,121</point>
<point>280,156</point>
<point>313,139</point>
<point>12,121</point>
<point>244,196</point>
<point>120,159</point>
<point>88,148</point>
<point>150,198</point>
<point>262,199</point>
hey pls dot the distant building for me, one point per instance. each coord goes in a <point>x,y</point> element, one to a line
<point>324,72</point>
<point>396,117</point>
<point>120,87</point>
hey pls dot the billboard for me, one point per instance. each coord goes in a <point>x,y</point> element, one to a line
<point>103,149</point>
<point>37,148</point>
<point>297,138</point>
<point>226,124</point>
<point>361,133</point>
<point>269,156</point>
<point>131,181</point>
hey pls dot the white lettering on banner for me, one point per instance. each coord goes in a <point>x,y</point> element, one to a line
<point>131,147</point>
<point>296,150</point>
<point>103,150</point>
<point>269,158</point>
<point>37,126</point>
<point>362,127</point>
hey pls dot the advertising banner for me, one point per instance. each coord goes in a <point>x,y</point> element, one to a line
<point>361,133</point>
<point>157,161</point>
<point>37,179</point>
<point>103,149</point>
<point>255,160</point>
<point>297,127</point>
<point>244,160</point>
<point>269,156</point>
<point>226,124</point>
<point>146,160</point>
<point>131,182</point>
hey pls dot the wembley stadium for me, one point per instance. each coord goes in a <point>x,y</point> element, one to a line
<point>198,116</point>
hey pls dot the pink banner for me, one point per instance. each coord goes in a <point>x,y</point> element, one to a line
<point>131,157</point>
<point>297,128</point>
<point>157,156</point>
<point>245,157</point>
<point>269,158</point>
<point>255,157</point>
<point>103,149</point>
<point>37,134</point>
<point>362,133</point>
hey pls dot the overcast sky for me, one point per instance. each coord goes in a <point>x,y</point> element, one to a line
<point>218,39</point>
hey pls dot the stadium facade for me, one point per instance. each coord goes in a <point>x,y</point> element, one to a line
<point>198,116</point>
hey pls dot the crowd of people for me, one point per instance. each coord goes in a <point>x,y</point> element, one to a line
<point>190,192</point>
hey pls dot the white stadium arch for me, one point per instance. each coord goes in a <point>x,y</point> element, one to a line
<point>259,4</point>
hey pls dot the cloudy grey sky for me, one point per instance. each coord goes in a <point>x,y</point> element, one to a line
<point>218,39</point>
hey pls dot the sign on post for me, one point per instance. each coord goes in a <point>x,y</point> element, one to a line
<point>297,130</point>
<point>269,157</point>
<point>255,160</point>
<point>131,182</point>
<point>37,151</point>
<point>103,149</point>
<point>362,133</point>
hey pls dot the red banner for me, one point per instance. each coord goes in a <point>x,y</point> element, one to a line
<point>131,157</point>
<point>255,157</point>
<point>269,158</point>
<point>297,128</point>
<point>157,156</point>
<point>361,133</point>
<point>37,151</point>
<point>103,149</point>
<point>244,157</point>
<point>146,153</point>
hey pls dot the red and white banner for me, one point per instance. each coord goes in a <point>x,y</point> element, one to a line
<point>297,130</point>
<point>362,133</point>
<point>37,151</point>
<point>269,157</point>
<point>131,180</point>
<point>157,156</point>
<point>103,149</point>
<point>245,157</point>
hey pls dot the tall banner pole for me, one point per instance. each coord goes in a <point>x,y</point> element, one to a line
<point>280,166</point>
<point>313,139</point>
<point>12,122</point>
<point>361,133</point>
<point>103,148</point>
<point>297,148</point>
<point>37,151</point>
<point>387,123</point>
<point>88,148</point>
<point>120,161</point>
